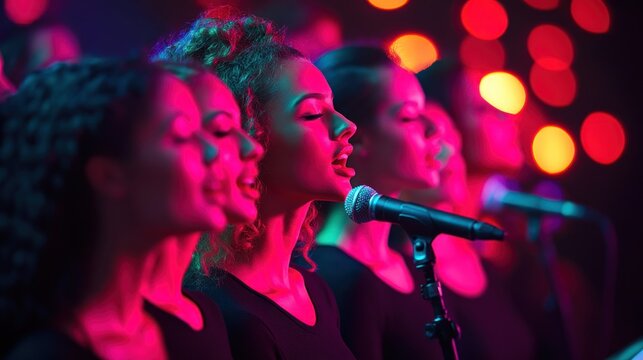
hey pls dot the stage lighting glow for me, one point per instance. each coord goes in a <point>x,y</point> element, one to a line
<point>555,88</point>
<point>542,4</point>
<point>388,4</point>
<point>553,149</point>
<point>24,12</point>
<point>591,15</point>
<point>503,91</point>
<point>416,52</point>
<point>459,268</point>
<point>485,55</point>
<point>602,137</point>
<point>550,47</point>
<point>484,19</point>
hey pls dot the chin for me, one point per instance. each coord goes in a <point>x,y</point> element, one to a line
<point>215,224</point>
<point>242,216</point>
<point>338,194</point>
<point>344,188</point>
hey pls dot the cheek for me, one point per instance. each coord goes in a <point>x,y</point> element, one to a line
<point>190,164</point>
<point>409,151</point>
<point>300,156</point>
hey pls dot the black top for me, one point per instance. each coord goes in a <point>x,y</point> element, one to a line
<point>50,344</point>
<point>261,329</point>
<point>181,341</point>
<point>378,322</point>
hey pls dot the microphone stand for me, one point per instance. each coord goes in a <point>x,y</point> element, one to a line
<point>557,301</point>
<point>441,328</point>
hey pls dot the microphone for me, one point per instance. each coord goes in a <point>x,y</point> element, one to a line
<point>496,196</point>
<point>364,204</point>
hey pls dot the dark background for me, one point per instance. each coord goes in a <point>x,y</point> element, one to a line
<point>607,67</point>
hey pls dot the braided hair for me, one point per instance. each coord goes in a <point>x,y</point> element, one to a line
<point>246,53</point>
<point>57,120</point>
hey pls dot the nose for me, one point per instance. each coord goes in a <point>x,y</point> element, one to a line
<point>210,150</point>
<point>431,129</point>
<point>342,128</point>
<point>249,148</point>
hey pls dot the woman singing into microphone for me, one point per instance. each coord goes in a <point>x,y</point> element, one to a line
<point>274,310</point>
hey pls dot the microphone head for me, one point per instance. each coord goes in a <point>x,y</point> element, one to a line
<point>494,191</point>
<point>357,202</point>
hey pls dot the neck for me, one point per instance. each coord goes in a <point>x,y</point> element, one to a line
<point>114,302</point>
<point>165,267</point>
<point>368,241</point>
<point>111,321</point>
<point>269,267</point>
<point>117,309</point>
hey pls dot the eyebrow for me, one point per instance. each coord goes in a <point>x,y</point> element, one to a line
<point>213,114</point>
<point>318,96</point>
<point>170,119</point>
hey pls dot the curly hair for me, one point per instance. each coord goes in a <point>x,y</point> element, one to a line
<point>246,53</point>
<point>57,120</point>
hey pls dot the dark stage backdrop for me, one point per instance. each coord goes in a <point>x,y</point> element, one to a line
<point>608,74</point>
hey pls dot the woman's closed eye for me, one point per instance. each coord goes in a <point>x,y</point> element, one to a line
<point>312,116</point>
<point>220,125</point>
<point>410,118</point>
<point>221,133</point>
<point>180,138</point>
<point>182,130</point>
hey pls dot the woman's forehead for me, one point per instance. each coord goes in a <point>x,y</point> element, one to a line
<point>299,76</point>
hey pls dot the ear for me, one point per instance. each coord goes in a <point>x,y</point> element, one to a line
<point>106,176</point>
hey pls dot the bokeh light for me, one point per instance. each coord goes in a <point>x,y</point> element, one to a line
<point>24,12</point>
<point>550,47</point>
<point>52,44</point>
<point>460,268</point>
<point>416,52</point>
<point>602,137</point>
<point>484,19</point>
<point>553,149</point>
<point>503,91</point>
<point>555,88</point>
<point>320,35</point>
<point>542,4</point>
<point>388,4</point>
<point>591,15</point>
<point>485,55</point>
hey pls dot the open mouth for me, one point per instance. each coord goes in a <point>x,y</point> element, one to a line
<point>340,168</point>
<point>212,190</point>
<point>340,161</point>
<point>249,186</point>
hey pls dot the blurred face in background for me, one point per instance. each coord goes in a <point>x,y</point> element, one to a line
<point>452,191</point>
<point>233,169</point>
<point>398,149</point>
<point>168,189</point>
<point>308,139</point>
<point>491,136</point>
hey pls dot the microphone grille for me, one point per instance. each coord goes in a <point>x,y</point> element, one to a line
<point>357,203</point>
